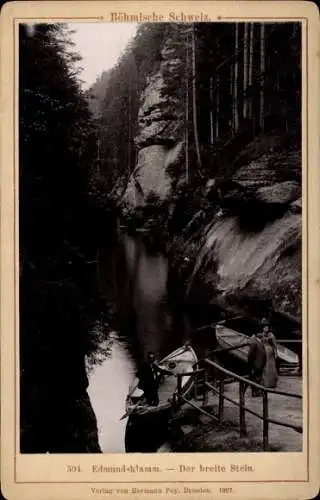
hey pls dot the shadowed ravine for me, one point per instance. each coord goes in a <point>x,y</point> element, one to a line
<point>134,282</point>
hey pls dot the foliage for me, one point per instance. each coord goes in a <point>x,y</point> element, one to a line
<point>237,80</point>
<point>56,295</point>
<point>97,92</point>
<point>118,109</point>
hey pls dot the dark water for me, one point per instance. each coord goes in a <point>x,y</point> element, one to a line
<point>133,281</point>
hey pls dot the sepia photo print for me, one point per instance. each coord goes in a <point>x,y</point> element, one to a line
<point>160,237</point>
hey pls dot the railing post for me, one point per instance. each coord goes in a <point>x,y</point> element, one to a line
<point>215,371</point>
<point>243,430</point>
<point>221,399</point>
<point>265,421</point>
<point>196,380</point>
<point>205,388</point>
<point>179,387</point>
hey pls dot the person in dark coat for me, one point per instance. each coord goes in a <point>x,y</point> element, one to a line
<point>149,376</point>
<point>271,370</point>
<point>256,360</point>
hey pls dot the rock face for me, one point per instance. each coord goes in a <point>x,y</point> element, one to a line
<point>235,267</point>
<point>157,124</point>
<point>281,193</point>
<point>250,250</point>
<point>249,255</point>
<point>160,140</point>
<point>150,175</point>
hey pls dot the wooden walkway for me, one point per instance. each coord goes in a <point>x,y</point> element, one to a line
<point>273,417</point>
<point>280,408</point>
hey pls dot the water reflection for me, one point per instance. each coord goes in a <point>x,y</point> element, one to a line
<point>108,385</point>
<point>133,281</point>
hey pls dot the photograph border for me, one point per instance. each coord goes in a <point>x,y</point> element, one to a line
<point>307,142</point>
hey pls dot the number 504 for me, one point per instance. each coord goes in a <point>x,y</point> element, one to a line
<point>73,468</point>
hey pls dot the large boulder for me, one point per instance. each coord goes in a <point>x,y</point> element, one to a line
<point>151,176</point>
<point>235,267</point>
<point>148,177</point>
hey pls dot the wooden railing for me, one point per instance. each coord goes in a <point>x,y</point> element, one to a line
<point>226,376</point>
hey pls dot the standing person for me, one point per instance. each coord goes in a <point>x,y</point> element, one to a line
<point>256,361</point>
<point>269,336</point>
<point>149,377</point>
<point>270,372</point>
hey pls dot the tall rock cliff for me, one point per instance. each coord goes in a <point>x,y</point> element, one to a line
<point>160,140</point>
<point>247,256</point>
<point>239,243</point>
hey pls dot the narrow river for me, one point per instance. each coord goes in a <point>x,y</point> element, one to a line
<point>133,281</point>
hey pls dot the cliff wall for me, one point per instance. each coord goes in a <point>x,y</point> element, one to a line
<point>239,244</point>
<point>160,140</point>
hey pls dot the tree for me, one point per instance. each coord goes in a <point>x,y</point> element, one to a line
<point>245,70</point>
<point>236,81</point>
<point>118,109</point>
<point>186,124</point>
<point>56,143</point>
<point>194,98</point>
<point>262,76</point>
<point>230,82</point>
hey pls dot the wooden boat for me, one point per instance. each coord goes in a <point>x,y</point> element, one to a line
<point>181,360</point>
<point>227,338</point>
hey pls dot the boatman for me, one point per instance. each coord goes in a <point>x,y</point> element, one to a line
<point>150,377</point>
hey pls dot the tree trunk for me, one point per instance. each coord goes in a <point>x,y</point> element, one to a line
<point>250,68</point>
<point>245,71</point>
<point>235,82</point>
<point>187,109</point>
<point>129,128</point>
<point>98,157</point>
<point>231,99</point>
<point>217,97</point>
<point>262,76</point>
<point>194,97</point>
<point>211,110</point>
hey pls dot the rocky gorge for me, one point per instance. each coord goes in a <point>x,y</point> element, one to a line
<point>181,179</point>
<point>239,245</point>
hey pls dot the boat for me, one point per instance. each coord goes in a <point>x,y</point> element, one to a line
<point>227,338</point>
<point>182,360</point>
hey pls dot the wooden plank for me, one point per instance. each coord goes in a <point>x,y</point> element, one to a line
<point>296,428</point>
<point>179,388</point>
<point>242,417</point>
<point>221,399</point>
<point>232,348</point>
<point>192,373</point>
<point>201,410</point>
<point>205,392</point>
<point>250,382</point>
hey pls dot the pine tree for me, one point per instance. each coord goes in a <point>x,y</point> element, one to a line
<point>56,142</point>
<point>236,81</point>
<point>194,98</point>
<point>262,75</point>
